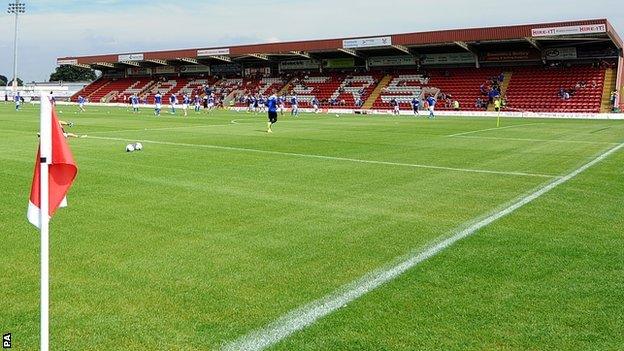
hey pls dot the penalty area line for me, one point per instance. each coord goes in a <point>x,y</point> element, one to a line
<point>156,129</point>
<point>302,317</point>
<point>538,140</point>
<point>334,158</point>
<point>497,128</point>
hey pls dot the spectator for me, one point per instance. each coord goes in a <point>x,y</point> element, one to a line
<point>456,105</point>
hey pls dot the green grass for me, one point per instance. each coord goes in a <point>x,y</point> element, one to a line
<point>191,247</point>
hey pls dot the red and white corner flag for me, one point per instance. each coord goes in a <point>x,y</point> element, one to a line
<point>55,171</point>
<point>55,153</point>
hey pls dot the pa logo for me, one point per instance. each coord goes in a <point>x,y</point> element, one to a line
<point>6,341</point>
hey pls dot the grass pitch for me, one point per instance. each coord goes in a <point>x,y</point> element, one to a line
<point>217,229</point>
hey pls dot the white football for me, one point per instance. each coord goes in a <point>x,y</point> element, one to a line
<point>138,146</point>
<point>129,148</point>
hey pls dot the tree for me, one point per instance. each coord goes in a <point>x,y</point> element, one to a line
<point>19,82</point>
<point>3,80</point>
<point>72,74</point>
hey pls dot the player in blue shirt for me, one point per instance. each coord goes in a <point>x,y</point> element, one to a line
<point>416,105</point>
<point>271,104</point>
<point>81,103</point>
<point>134,100</point>
<point>280,103</point>
<point>256,106</point>
<point>315,104</point>
<point>186,102</point>
<point>158,102</point>
<point>18,101</point>
<point>262,104</point>
<point>211,102</point>
<point>294,106</point>
<point>173,101</point>
<point>431,101</point>
<point>396,110</point>
<point>197,101</point>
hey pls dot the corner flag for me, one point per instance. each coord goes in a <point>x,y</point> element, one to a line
<point>55,171</point>
<point>61,166</point>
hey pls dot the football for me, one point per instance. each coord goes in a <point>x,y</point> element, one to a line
<point>138,146</point>
<point>129,148</point>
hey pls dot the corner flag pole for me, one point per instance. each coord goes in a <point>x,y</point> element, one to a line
<point>44,162</point>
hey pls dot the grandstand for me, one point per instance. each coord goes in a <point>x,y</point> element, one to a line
<point>567,67</point>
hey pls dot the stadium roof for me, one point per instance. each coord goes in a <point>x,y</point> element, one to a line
<point>538,36</point>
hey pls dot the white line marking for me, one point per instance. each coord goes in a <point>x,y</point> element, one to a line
<point>308,314</point>
<point>164,128</point>
<point>538,140</point>
<point>231,148</point>
<point>498,128</point>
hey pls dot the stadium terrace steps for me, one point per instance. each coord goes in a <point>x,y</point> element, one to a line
<point>91,89</point>
<point>377,92</point>
<point>144,93</point>
<point>286,88</point>
<point>609,87</point>
<point>503,87</point>
<point>536,89</point>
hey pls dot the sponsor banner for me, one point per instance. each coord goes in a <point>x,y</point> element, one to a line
<point>114,74</point>
<point>512,55</point>
<point>589,52</point>
<point>66,62</point>
<point>139,71</point>
<point>163,70</point>
<point>450,58</point>
<point>570,30</point>
<point>213,52</point>
<point>226,68</point>
<point>130,57</point>
<point>568,53</point>
<point>195,69</point>
<point>340,63</point>
<point>392,61</point>
<point>299,65</point>
<point>257,70</point>
<point>366,42</point>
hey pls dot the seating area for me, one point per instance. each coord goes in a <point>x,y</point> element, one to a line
<point>538,89</point>
<point>461,84</point>
<point>534,88</point>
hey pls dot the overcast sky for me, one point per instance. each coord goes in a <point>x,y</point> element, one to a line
<point>55,28</point>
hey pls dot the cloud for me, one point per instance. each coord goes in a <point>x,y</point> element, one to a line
<point>57,28</point>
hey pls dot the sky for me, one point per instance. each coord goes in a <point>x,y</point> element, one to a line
<point>57,28</point>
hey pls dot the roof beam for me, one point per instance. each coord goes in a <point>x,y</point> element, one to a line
<point>104,64</point>
<point>131,63</point>
<point>301,53</point>
<point>259,56</point>
<point>188,60</point>
<point>402,48</point>
<point>534,43</point>
<point>81,65</point>
<point>220,58</point>
<point>465,46</point>
<point>350,52</point>
<point>157,61</point>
